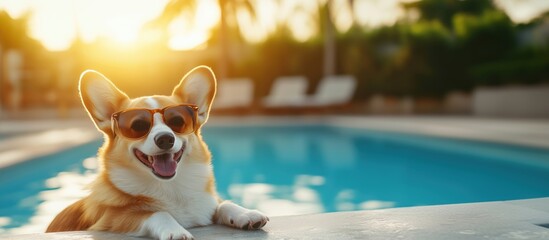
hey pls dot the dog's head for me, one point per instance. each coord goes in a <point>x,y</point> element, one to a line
<point>150,135</point>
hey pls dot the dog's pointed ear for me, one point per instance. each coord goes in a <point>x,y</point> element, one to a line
<point>197,87</point>
<point>101,98</point>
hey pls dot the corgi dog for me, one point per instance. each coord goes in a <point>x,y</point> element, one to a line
<point>155,178</point>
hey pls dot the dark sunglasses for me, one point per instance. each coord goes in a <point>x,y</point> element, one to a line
<point>137,122</point>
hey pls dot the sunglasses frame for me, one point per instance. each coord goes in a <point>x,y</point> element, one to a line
<point>115,118</point>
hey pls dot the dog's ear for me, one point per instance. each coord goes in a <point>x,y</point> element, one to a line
<point>101,98</point>
<point>198,87</point>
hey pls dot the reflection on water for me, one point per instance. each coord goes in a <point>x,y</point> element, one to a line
<point>33,192</point>
<point>284,171</point>
<point>302,170</point>
<point>313,169</point>
<point>277,200</point>
<point>67,187</point>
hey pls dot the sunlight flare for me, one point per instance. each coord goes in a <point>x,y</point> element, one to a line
<point>186,33</point>
<point>378,13</point>
<point>259,28</point>
<point>58,23</point>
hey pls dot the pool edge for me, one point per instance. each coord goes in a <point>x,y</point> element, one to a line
<point>521,132</point>
<point>524,219</point>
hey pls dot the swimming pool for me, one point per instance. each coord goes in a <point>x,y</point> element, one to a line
<point>285,170</point>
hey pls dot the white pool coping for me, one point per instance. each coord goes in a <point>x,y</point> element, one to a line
<point>522,219</point>
<point>524,132</point>
<point>33,139</point>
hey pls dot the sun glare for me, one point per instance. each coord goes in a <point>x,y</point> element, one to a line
<point>44,16</point>
<point>117,21</point>
<point>123,31</point>
<point>57,23</point>
<point>15,8</point>
<point>302,19</point>
<point>376,13</point>
<point>342,15</point>
<point>186,33</point>
<point>258,29</point>
<point>525,10</point>
<point>187,40</point>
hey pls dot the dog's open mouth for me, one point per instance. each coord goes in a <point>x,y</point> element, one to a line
<point>162,165</point>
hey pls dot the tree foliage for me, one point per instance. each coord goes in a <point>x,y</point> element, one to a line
<point>453,45</point>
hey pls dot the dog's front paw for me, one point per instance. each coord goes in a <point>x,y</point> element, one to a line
<point>175,234</point>
<point>250,220</point>
<point>236,216</point>
<point>162,226</point>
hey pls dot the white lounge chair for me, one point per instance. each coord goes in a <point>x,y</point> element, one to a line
<point>234,93</point>
<point>333,90</point>
<point>287,91</point>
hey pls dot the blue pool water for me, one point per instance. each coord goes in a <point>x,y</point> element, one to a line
<point>304,169</point>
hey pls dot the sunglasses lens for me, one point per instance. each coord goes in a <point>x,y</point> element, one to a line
<point>180,119</point>
<point>134,123</point>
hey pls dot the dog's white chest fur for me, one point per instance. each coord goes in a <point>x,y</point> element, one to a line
<point>192,211</point>
<point>183,197</point>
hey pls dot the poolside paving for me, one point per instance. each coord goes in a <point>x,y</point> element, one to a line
<point>523,219</point>
<point>525,132</point>
<point>31,139</point>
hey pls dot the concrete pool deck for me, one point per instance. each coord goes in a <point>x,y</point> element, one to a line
<point>521,219</point>
<point>531,132</point>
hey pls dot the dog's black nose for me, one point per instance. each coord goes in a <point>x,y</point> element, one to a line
<point>164,140</point>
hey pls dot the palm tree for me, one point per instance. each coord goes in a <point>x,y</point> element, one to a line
<point>327,28</point>
<point>444,10</point>
<point>228,10</point>
<point>329,33</point>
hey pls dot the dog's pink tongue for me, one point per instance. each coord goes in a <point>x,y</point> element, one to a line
<point>164,165</point>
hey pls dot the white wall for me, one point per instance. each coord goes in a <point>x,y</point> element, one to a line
<point>512,101</point>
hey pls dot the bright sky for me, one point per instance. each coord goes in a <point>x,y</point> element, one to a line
<point>56,23</point>
<point>522,11</point>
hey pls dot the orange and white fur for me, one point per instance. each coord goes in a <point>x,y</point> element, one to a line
<point>127,197</point>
